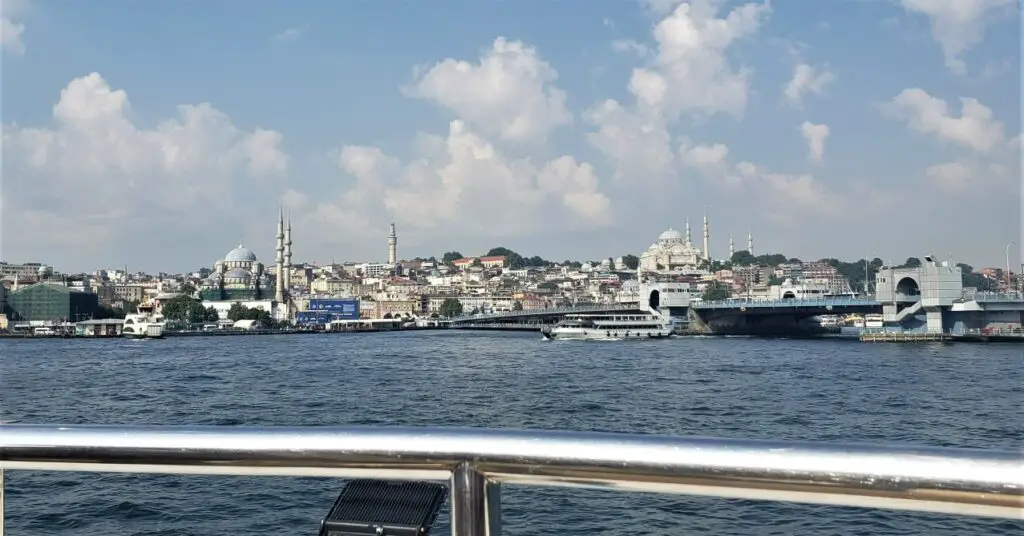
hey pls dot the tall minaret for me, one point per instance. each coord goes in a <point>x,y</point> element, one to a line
<point>392,246</point>
<point>279,259</point>
<point>688,230</point>
<point>732,247</point>
<point>288,254</point>
<point>750,242</point>
<point>707,238</point>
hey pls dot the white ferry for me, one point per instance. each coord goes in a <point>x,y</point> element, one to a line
<point>143,324</point>
<point>610,326</point>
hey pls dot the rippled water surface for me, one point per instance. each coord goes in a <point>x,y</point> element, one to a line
<point>954,395</point>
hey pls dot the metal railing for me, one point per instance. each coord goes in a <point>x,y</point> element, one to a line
<point>477,461</point>
<point>785,303</point>
<point>989,297</point>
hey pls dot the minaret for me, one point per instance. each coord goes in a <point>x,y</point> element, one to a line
<point>288,255</point>
<point>688,231</point>
<point>392,246</point>
<point>732,247</point>
<point>750,242</point>
<point>279,260</point>
<point>707,238</point>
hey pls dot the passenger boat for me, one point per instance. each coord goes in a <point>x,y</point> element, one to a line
<point>143,324</point>
<point>610,326</point>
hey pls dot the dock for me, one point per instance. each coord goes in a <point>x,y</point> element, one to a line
<point>903,336</point>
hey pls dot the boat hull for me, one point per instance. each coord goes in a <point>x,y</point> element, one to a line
<point>150,331</point>
<point>597,333</point>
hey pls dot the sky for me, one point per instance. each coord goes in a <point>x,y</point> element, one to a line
<point>159,135</point>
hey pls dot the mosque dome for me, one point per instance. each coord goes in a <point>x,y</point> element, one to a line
<point>240,254</point>
<point>670,234</point>
<point>238,273</point>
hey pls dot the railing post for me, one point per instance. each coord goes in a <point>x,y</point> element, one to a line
<point>476,503</point>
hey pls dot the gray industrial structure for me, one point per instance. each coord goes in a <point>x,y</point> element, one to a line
<point>52,302</point>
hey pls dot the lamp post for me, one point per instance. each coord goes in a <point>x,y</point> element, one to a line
<point>1012,242</point>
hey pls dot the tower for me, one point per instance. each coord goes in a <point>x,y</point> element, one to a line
<point>732,247</point>
<point>750,242</point>
<point>707,238</point>
<point>288,255</point>
<point>688,230</point>
<point>279,259</point>
<point>392,246</point>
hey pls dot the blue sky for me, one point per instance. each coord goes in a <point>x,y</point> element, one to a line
<point>356,113</point>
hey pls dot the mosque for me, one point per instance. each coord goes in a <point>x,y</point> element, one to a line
<point>240,278</point>
<point>673,252</point>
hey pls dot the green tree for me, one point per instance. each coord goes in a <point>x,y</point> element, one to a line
<point>450,257</point>
<point>715,291</point>
<point>742,258</point>
<point>774,280</point>
<point>211,314</point>
<point>631,261</point>
<point>517,306</point>
<point>451,307</point>
<point>515,260</point>
<point>183,308</point>
<point>237,312</point>
<point>188,289</point>
<point>477,263</point>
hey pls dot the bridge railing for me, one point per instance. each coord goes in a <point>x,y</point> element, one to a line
<point>551,311</point>
<point>986,296</point>
<point>477,461</point>
<point>753,302</point>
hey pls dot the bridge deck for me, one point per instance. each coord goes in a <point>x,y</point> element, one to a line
<point>835,303</point>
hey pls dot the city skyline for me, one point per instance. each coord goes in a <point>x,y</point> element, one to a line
<point>852,130</point>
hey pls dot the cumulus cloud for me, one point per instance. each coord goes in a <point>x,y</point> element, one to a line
<point>95,170</point>
<point>785,198</point>
<point>509,93</point>
<point>806,79</point>
<point>958,25</point>
<point>976,128</point>
<point>815,136</point>
<point>691,72</point>
<point>462,180</point>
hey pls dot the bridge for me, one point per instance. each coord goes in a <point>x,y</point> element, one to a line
<point>750,316</point>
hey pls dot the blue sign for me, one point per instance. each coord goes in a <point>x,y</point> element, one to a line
<point>335,309</point>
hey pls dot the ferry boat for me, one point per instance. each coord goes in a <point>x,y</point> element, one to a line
<point>610,326</point>
<point>143,324</point>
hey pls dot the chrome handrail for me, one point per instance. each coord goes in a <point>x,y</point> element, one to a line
<point>475,461</point>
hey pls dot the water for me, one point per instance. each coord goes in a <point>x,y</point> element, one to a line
<point>954,395</point>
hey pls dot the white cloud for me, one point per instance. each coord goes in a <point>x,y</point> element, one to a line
<point>95,171</point>
<point>462,181</point>
<point>785,198</point>
<point>806,79</point>
<point>815,136</point>
<point>510,93</point>
<point>291,34</point>
<point>630,46</point>
<point>691,72</point>
<point>639,146</point>
<point>976,128</point>
<point>958,25</point>
<point>12,31</point>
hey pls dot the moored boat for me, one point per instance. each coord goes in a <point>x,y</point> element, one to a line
<point>143,324</point>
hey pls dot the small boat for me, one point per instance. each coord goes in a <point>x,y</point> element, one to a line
<point>143,324</point>
<point>613,326</point>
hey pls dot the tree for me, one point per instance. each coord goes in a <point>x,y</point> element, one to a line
<point>715,291</point>
<point>188,289</point>
<point>237,312</point>
<point>912,262</point>
<point>387,316</point>
<point>774,280</point>
<point>451,307</point>
<point>631,261</point>
<point>211,314</point>
<point>517,306</point>
<point>450,257</point>
<point>477,263</point>
<point>184,308</point>
<point>515,260</point>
